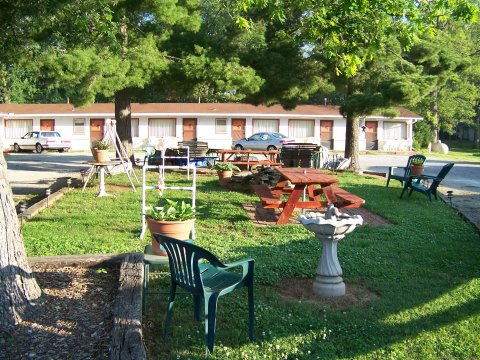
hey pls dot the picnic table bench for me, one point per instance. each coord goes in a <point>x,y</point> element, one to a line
<point>268,198</point>
<point>197,149</point>
<point>342,198</point>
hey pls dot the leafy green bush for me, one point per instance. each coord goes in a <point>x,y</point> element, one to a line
<point>173,211</point>
<point>422,135</point>
<point>225,166</point>
<point>100,145</point>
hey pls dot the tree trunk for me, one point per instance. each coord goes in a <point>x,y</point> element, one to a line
<point>476,131</point>
<point>436,125</point>
<point>123,115</point>
<point>19,291</point>
<point>351,142</point>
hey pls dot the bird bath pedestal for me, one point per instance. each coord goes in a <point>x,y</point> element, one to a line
<point>330,227</point>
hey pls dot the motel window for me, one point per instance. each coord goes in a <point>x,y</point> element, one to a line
<point>17,128</point>
<point>220,126</point>
<point>265,125</point>
<point>78,126</point>
<point>394,131</point>
<point>301,128</point>
<point>134,126</point>
<point>161,127</point>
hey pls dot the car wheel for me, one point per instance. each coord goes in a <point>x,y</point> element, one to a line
<point>238,147</point>
<point>16,148</point>
<point>38,148</point>
<point>271,147</point>
<point>61,150</point>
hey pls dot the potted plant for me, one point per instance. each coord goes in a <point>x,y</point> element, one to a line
<point>225,171</point>
<point>100,151</point>
<point>416,167</point>
<point>174,219</point>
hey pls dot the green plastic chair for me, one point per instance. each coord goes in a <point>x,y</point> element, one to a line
<point>207,281</point>
<point>404,172</point>
<point>427,184</point>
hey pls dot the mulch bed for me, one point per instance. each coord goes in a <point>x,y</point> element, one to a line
<point>268,217</point>
<point>74,322</point>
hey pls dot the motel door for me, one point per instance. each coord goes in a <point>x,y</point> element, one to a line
<point>189,129</point>
<point>326,133</point>
<point>371,135</point>
<point>96,129</point>
<point>238,129</point>
<point>47,125</point>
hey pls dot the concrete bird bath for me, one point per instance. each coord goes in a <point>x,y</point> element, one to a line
<point>330,227</point>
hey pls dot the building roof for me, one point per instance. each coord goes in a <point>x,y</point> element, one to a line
<point>170,109</point>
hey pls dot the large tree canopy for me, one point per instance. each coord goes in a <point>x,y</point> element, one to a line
<point>349,36</point>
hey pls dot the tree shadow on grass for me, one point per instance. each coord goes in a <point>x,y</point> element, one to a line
<point>421,268</point>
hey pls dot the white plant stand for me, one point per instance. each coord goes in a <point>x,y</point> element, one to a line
<point>160,187</point>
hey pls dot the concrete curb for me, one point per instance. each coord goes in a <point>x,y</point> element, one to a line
<point>35,208</point>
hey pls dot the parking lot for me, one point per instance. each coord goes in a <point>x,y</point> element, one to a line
<point>31,173</point>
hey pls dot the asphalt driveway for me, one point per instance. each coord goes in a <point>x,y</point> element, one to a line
<point>31,173</point>
<point>464,176</point>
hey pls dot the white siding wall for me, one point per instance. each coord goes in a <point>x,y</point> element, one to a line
<point>339,130</point>
<point>206,130</point>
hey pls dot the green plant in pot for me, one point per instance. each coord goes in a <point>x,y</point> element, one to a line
<point>225,171</point>
<point>416,167</point>
<point>100,150</point>
<point>174,219</point>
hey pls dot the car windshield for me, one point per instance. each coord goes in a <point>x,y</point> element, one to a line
<point>278,135</point>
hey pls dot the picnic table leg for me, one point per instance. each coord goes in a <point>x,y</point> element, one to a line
<point>311,192</point>
<point>290,205</point>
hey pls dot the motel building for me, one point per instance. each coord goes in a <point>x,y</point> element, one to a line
<point>218,124</point>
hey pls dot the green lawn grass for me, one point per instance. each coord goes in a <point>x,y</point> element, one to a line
<point>458,151</point>
<point>425,268</point>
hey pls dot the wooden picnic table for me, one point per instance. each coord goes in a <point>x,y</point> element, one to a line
<point>306,183</point>
<point>249,158</point>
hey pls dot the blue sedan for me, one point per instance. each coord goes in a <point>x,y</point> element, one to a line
<point>262,141</point>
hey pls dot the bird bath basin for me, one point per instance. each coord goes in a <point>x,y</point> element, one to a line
<point>330,227</point>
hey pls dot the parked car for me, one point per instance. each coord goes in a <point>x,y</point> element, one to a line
<point>42,140</point>
<point>262,141</point>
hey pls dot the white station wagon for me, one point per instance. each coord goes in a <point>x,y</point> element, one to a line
<point>42,140</point>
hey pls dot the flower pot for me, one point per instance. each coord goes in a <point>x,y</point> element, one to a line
<point>176,229</point>
<point>100,155</point>
<point>224,176</point>
<point>416,170</point>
